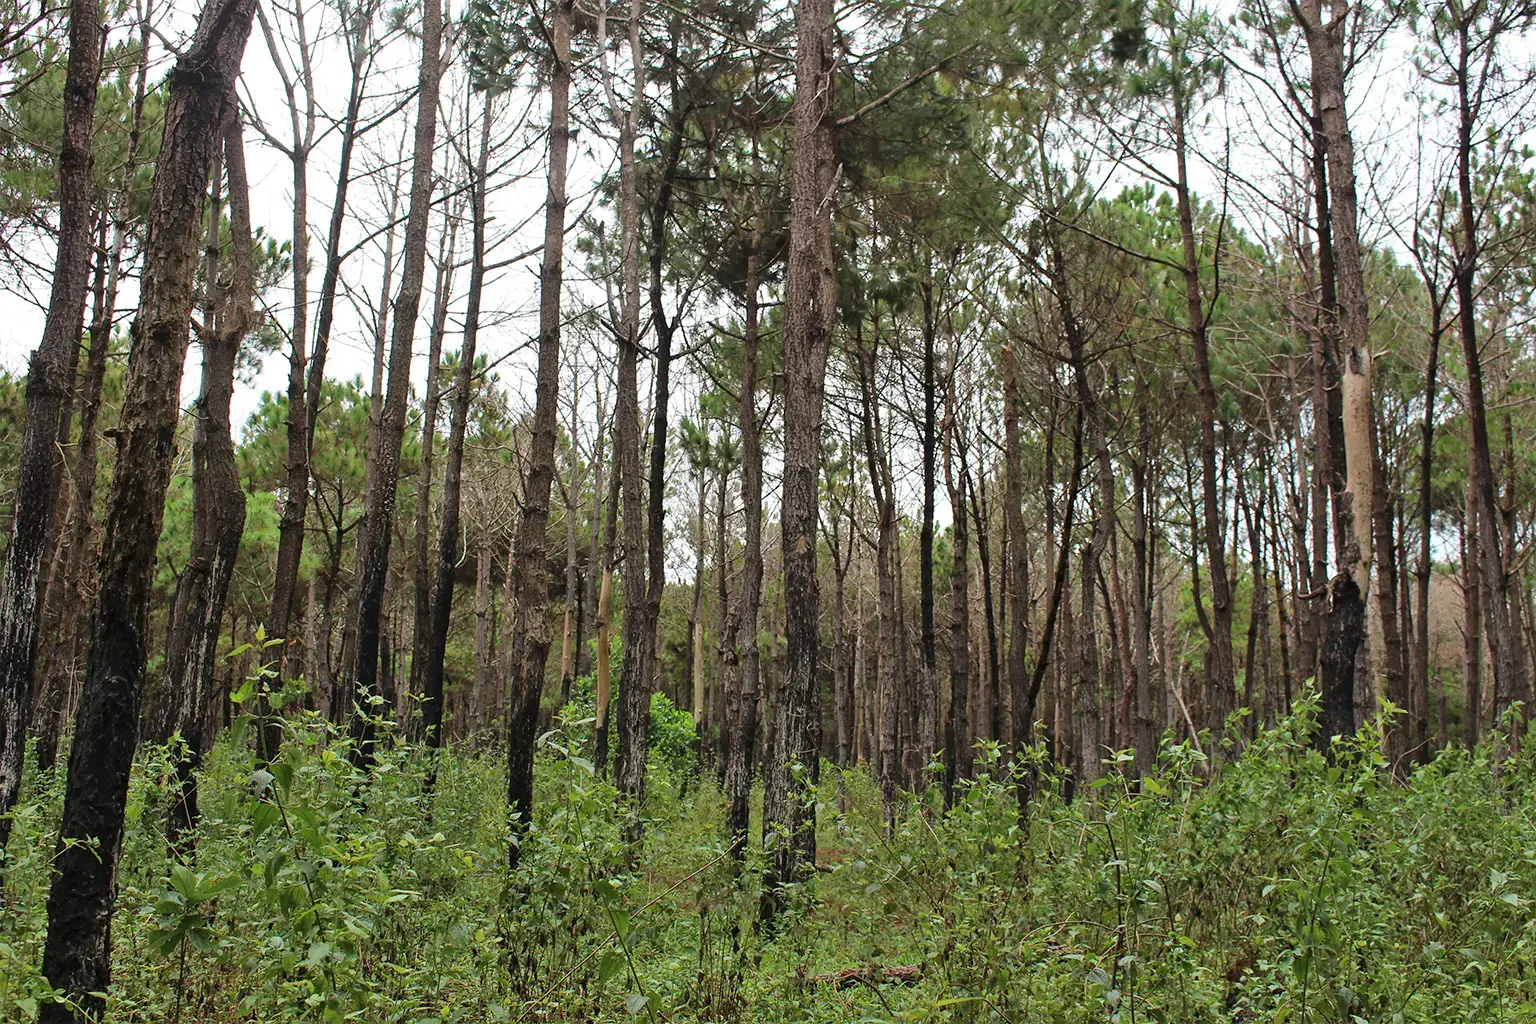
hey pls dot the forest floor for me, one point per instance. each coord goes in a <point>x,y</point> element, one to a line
<point>1277,888</point>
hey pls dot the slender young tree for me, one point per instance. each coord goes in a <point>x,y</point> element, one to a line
<point>453,473</point>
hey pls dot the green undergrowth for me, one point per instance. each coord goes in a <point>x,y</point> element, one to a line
<point>1281,887</point>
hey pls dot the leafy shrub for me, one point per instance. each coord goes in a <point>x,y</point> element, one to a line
<point>1281,886</point>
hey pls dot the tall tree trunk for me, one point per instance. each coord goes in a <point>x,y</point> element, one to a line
<point>453,476</point>
<point>1022,727</point>
<point>1220,667</point>
<point>1472,623</point>
<point>1424,571</point>
<point>1353,514</point>
<point>957,736</point>
<point>887,552</point>
<point>928,698</point>
<point>218,501</point>
<point>982,520</point>
<point>425,573</point>
<point>742,662</point>
<point>571,626</point>
<point>634,711</point>
<point>1503,637</point>
<point>603,684</point>
<point>291,523</point>
<point>50,387</point>
<point>1145,734</point>
<point>305,382</point>
<point>640,661</point>
<point>591,583</point>
<point>374,539</point>
<point>697,699</point>
<point>77,952</point>
<point>484,558</point>
<point>1396,679</point>
<point>810,307</point>
<point>529,633</point>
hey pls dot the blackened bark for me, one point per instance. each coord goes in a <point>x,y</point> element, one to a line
<point>1022,725</point>
<point>218,504</point>
<point>1336,656</point>
<point>982,520</point>
<point>1353,516</point>
<point>1144,737</point>
<point>50,381</point>
<point>928,699</point>
<point>887,552</point>
<point>528,635</point>
<point>77,952</point>
<point>634,711</point>
<point>1509,668</point>
<point>374,539</point>
<point>810,306</point>
<point>742,662</point>
<point>957,736</point>
<point>640,661</point>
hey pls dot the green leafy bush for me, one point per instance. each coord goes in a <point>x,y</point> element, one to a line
<point>1281,886</point>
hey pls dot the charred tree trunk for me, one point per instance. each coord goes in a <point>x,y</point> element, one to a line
<point>1145,734</point>
<point>424,575</point>
<point>1503,637</point>
<point>528,636</point>
<point>634,712</point>
<point>305,381</point>
<point>1353,513</point>
<point>957,733</point>
<point>742,662</point>
<point>50,383</point>
<point>928,698</point>
<point>77,952</point>
<point>810,301</point>
<point>218,501</point>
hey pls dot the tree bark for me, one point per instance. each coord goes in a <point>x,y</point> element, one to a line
<point>1353,514</point>
<point>810,307</point>
<point>528,636</point>
<point>76,955</point>
<point>453,476</point>
<point>1220,666</point>
<point>50,383</point>
<point>634,711</point>
<point>218,500</point>
<point>742,662</point>
<point>1503,637</point>
<point>957,737</point>
<point>305,382</point>
<point>424,576</point>
<point>374,540</point>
